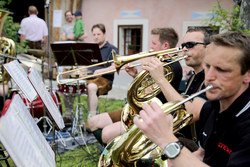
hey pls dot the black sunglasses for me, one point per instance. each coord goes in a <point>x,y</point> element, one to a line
<point>189,45</point>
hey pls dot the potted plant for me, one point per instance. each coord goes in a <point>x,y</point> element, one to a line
<point>131,49</point>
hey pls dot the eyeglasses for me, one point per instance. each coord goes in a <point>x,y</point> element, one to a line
<point>189,45</point>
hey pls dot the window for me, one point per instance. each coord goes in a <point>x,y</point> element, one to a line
<point>130,39</point>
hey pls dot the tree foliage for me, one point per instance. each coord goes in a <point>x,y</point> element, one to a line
<point>4,2</point>
<point>10,29</point>
<point>225,20</point>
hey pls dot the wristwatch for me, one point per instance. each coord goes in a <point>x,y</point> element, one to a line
<point>172,150</point>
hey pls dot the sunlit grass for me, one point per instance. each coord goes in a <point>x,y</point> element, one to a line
<point>79,157</point>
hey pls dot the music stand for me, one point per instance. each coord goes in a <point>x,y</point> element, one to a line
<point>76,53</point>
<point>70,53</point>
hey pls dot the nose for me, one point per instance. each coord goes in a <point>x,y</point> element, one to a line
<point>184,51</point>
<point>210,74</point>
<point>184,48</point>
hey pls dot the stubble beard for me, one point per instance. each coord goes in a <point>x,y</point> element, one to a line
<point>101,43</point>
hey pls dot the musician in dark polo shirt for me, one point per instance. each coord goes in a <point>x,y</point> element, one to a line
<point>100,85</point>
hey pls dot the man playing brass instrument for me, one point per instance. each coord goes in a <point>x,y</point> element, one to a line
<point>194,45</point>
<point>107,126</point>
<point>224,137</point>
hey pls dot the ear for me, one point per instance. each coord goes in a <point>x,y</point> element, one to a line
<point>166,45</point>
<point>247,77</point>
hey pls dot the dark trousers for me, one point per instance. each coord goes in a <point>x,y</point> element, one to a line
<point>35,44</point>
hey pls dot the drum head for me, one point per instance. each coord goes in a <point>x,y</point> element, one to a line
<point>73,82</point>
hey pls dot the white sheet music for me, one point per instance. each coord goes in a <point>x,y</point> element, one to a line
<point>39,86</point>
<point>22,138</point>
<point>18,74</point>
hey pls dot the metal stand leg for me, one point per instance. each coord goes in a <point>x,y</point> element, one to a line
<point>5,158</point>
<point>78,122</point>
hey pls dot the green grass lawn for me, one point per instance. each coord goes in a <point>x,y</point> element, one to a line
<point>80,157</point>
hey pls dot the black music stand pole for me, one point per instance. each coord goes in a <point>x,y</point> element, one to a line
<point>50,66</point>
<point>48,44</point>
<point>2,69</point>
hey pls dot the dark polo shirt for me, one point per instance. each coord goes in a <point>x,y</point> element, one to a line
<point>194,84</point>
<point>106,53</point>
<point>177,77</point>
<point>225,136</point>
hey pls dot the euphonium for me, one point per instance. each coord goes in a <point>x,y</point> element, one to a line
<point>137,94</point>
<point>7,47</point>
<point>133,147</point>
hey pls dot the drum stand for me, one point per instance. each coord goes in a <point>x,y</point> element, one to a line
<point>78,125</point>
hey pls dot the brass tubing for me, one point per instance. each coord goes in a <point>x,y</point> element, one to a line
<point>119,61</point>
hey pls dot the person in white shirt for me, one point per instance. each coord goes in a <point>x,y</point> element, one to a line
<point>34,29</point>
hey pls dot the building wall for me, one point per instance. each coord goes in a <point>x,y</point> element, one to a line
<point>157,13</point>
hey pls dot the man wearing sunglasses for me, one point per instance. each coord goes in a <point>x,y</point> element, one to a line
<point>194,45</point>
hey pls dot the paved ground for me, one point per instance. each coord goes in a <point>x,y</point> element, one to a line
<point>120,86</point>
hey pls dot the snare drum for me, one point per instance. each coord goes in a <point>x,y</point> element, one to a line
<point>36,110</point>
<point>71,88</point>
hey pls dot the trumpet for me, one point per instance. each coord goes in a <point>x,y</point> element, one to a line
<point>119,62</point>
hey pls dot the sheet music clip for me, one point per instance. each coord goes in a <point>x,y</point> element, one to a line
<point>72,53</point>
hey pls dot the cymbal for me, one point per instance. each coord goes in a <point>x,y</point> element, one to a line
<point>36,52</point>
<point>32,61</point>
